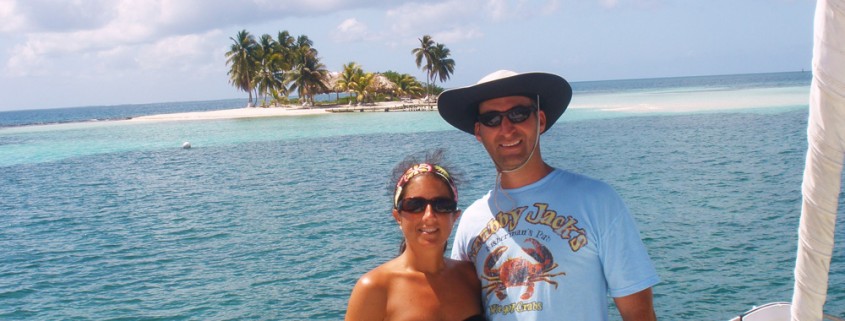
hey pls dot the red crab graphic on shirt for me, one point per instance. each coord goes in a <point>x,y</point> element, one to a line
<point>519,271</point>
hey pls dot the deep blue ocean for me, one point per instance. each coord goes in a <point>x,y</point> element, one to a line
<point>276,218</point>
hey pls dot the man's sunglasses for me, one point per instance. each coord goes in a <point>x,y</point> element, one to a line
<point>515,115</point>
<point>418,204</point>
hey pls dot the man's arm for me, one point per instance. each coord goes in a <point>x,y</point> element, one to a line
<point>636,307</point>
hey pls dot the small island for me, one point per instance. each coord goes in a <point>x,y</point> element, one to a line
<point>285,71</point>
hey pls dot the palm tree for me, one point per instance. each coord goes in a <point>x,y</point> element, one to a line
<point>285,44</point>
<point>349,78</point>
<point>424,53</point>
<point>241,56</point>
<point>305,44</point>
<point>364,86</point>
<point>442,66</point>
<point>286,49</point>
<point>308,72</point>
<point>285,40</point>
<point>270,76</point>
<point>408,86</point>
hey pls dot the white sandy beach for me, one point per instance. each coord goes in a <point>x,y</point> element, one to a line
<point>258,112</point>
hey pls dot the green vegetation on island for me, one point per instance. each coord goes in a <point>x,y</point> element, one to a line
<point>271,69</point>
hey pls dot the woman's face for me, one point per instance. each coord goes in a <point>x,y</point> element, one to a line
<point>426,228</point>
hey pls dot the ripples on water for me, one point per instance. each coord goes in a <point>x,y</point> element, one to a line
<point>281,229</point>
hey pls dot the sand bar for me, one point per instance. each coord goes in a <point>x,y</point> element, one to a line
<point>246,112</point>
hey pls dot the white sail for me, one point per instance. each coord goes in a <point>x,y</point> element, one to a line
<point>825,153</point>
<point>822,174</point>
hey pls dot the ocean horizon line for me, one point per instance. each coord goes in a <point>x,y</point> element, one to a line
<point>577,86</point>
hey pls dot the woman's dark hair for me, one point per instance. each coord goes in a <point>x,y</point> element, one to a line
<point>433,157</point>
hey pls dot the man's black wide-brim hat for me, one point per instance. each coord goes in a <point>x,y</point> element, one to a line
<point>459,107</point>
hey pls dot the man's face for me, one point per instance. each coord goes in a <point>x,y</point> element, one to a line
<point>509,144</point>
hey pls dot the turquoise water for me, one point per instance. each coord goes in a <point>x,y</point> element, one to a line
<point>275,218</point>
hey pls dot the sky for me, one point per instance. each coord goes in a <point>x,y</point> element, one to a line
<point>72,53</point>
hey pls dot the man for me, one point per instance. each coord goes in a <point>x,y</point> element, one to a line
<point>547,244</point>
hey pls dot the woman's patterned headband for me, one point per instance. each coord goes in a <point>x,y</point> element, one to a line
<point>423,168</point>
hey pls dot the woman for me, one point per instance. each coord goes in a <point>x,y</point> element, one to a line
<point>420,284</point>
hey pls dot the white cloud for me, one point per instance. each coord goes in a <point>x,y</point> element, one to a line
<point>31,54</point>
<point>503,10</point>
<point>421,18</point>
<point>133,23</point>
<point>458,34</point>
<point>447,21</point>
<point>111,63</point>
<point>46,28</point>
<point>614,4</point>
<point>497,8</point>
<point>183,53</point>
<point>111,49</point>
<point>350,30</point>
<point>57,16</point>
<point>24,62</point>
<point>150,34</point>
<point>610,4</point>
<point>458,20</point>
<point>166,17</point>
<point>10,19</point>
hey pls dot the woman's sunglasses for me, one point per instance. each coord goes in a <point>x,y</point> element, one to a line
<point>515,115</point>
<point>418,204</point>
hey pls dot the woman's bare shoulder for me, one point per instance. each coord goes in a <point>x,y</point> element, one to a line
<point>377,278</point>
<point>368,300</point>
